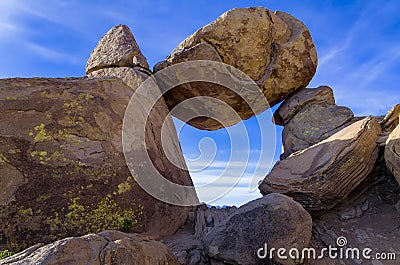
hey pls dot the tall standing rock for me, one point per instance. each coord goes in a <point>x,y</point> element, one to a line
<point>273,48</point>
<point>117,48</point>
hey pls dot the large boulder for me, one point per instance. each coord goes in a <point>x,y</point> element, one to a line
<point>391,120</point>
<point>63,171</point>
<point>108,247</point>
<point>310,116</point>
<point>392,152</point>
<point>275,220</point>
<point>273,48</point>
<point>322,175</point>
<point>117,48</point>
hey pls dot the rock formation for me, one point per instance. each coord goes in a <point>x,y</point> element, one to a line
<point>108,247</point>
<point>392,152</point>
<point>273,48</point>
<point>62,163</point>
<point>310,116</point>
<point>275,220</point>
<point>117,48</point>
<point>322,175</point>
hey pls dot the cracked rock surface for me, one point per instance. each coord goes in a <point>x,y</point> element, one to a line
<point>105,248</point>
<point>273,48</point>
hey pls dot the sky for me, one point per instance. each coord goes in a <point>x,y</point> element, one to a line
<point>357,41</point>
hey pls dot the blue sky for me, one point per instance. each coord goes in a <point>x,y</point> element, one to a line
<point>358,44</point>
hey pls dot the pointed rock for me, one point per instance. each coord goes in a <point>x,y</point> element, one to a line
<point>117,48</point>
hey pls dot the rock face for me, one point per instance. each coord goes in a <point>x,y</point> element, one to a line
<point>108,247</point>
<point>274,219</point>
<point>310,116</point>
<point>392,152</point>
<point>63,171</point>
<point>273,48</point>
<point>391,120</point>
<point>117,48</point>
<point>322,175</point>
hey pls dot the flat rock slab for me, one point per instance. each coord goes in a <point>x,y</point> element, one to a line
<point>322,175</point>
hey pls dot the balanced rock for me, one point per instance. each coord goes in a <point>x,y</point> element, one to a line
<point>108,247</point>
<point>117,48</point>
<point>275,220</point>
<point>273,48</point>
<point>63,171</point>
<point>392,152</point>
<point>322,175</point>
<point>310,116</point>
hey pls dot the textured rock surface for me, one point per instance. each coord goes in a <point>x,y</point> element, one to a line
<point>117,48</point>
<point>313,124</point>
<point>302,98</point>
<point>63,167</point>
<point>108,247</point>
<point>322,175</point>
<point>391,120</point>
<point>272,48</point>
<point>392,152</point>
<point>310,116</point>
<point>274,219</point>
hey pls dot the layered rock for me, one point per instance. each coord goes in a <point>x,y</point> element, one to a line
<point>108,247</point>
<point>117,47</point>
<point>322,175</point>
<point>275,220</point>
<point>391,120</point>
<point>310,116</point>
<point>392,152</point>
<point>63,167</point>
<point>273,48</point>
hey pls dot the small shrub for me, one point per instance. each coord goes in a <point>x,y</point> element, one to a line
<point>5,254</point>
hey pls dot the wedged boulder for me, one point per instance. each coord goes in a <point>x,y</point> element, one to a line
<point>310,116</point>
<point>313,124</point>
<point>273,48</point>
<point>275,220</point>
<point>392,153</point>
<point>63,171</point>
<point>299,100</point>
<point>322,175</point>
<point>116,48</point>
<point>108,247</point>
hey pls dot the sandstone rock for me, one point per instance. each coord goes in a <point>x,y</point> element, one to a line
<point>117,48</point>
<point>274,219</point>
<point>131,76</point>
<point>313,124</point>
<point>299,100</point>
<point>322,175</point>
<point>63,167</point>
<point>391,120</point>
<point>310,116</point>
<point>108,247</point>
<point>392,153</point>
<point>272,48</point>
